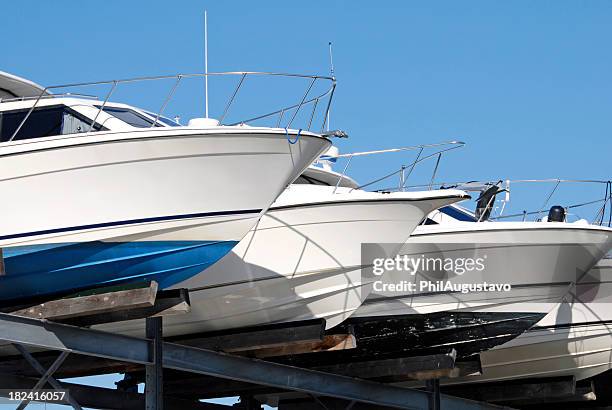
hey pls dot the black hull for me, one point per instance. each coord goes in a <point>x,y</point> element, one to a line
<point>386,337</point>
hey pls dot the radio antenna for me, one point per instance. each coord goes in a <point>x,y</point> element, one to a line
<point>206,60</point>
<point>331,69</point>
<point>331,59</point>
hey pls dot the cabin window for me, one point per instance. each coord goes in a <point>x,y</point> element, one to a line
<point>130,117</point>
<point>303,179</point>
<point>165,120</point>
<point>457,214</point>
<point>43,122</point>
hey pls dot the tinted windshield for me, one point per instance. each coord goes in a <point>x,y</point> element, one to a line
<point>303,179</point>
<point>165,120</point>
<point>131,117</point>
<point>43,122</point>
<point>458,214</point>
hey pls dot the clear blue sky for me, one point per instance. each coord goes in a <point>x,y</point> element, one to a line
<point>528,85</point>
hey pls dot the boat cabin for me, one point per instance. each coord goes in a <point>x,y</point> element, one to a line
<point>63,114</point>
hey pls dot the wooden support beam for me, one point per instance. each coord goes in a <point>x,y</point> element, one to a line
<point>115,306</point>
<point>260,344</point>
<point>255,338</point>
<point>418,367</point>
<point>168,302</point>
<point>523,391</point>
<point>327,344</point>
<point>467,368</point>
<point>581,394</point>
<point>272,341</point>
<point>89,305</point>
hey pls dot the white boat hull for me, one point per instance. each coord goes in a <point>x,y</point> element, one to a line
<point>540,262</point>
<point>574,339</point>
<point>111,207</point>
<point>302,261</point>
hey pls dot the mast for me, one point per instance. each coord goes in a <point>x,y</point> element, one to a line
<point>206,60</point>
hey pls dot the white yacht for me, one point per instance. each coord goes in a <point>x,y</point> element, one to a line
<point>574,339</point>
<point>98,193</point>
<point>572,333</point>
<point>302,261</point>
<point>539,260</point>
<point>529,267</point>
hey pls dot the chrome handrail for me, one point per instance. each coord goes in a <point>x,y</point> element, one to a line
<point>599,219</point>
<point>418,160</point>
<point>402,176</point>
<point>26,98</point>
<point>514,181</point>
<point>281,112</point>
<point>412,165</point>
<point>328,93</point>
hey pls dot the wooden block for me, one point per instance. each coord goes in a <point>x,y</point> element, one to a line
<point>328,343</point>
<point>168,302</point>
<point>92,304</point>
<point>255,338</point>
<point>517,391</point>
<point>417,367</point>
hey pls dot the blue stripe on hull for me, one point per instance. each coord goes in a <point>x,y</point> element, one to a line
<point>130,222</point>
<point>49,269</point>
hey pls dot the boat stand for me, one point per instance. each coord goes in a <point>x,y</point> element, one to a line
<point>46,376</point>
<point>242,370</point>
<point>154,385</point>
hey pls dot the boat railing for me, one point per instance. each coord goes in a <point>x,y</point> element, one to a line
<point>405,170</point>
<point>603,204</point>
<point>284,116</point>
<point>67,95</point>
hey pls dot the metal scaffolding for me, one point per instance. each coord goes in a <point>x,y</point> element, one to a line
<point>155,354</point>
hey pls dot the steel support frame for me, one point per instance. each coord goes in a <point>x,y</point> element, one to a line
<point>54,336</point>
<point>434,399</point>
<point>46,376</point>
<point>154,382</point>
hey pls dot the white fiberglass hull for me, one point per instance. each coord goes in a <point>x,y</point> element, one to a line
<point>302,261</point>
<point>151,204</point>
<point>540,262</point>
<point>574,339</point>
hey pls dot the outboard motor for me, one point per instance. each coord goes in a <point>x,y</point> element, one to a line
<point>556,214</point>
<point>484,203</point>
